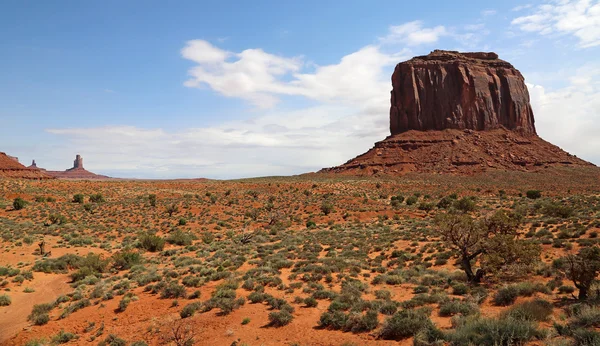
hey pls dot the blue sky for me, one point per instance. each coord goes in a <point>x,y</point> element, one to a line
<point>218,89</point>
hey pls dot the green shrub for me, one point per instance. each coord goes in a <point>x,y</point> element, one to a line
<point>4,300</point>
<point>535,310</point>
<point>78,198</point>
<point>404,324</point>
<point>96,198</point>
<point>586,337</point>
<point>151,242</point>
<point>113,340</point>
<point>19,203</point>
<point>533,194</point>
<point>453,307</point>
<point>327,208</point>
<point>411,200</point>
<point>124,303</point>
<point>460,289</point>
<point>506,296</point>
<point>126,259</point>
<point>180,238</point>
<point>173,290</point>
<point>311,302</point>
<point>494,332</point>
<point>190,309</point>
<point>465,204</point>
<point>63,337</point>
<point>280,318</point>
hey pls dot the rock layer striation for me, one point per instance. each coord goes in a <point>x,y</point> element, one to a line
<point>452,90</point>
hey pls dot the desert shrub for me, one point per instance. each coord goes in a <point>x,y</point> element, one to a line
<point>172,209</point>
<point>585,316</point>
<point>533,194</point>
<point>412,200</point>
<point>151,242</point>
<point>57,219</point>
<point>383,294</point>
<point>152,199</point>
<point>311,302</point>
<point>566,289</point>
<point>124,303</point>
<point>453,307</point>
<point>460,289</point>
<point>396,201</point>
<point>358,323</point>
<point>4,300</point>
<point>182,222</point>
<point>63,337</point>
<point>445,202</point>
<point>173,290</point>
<point>96,198</point>
<point>78,198</point>
<point>333,320</point>
<point>192,281</point>
<point>555,209</point>
<point>190,309</point>
<point>180,238</point>
<point>257,297</point>
<point>404,324</point>
<point>113,340</point>
<point>327,207</point>
<point>535,310</point>
<point>494,332</point>
<point>19,203</point>
<point>280,318</point>
<point>426,206</point>
<point>506,296</point>
<point>586,337</point>
<point>465,204</point>
<point>388,308</point>
<point>126,259</point>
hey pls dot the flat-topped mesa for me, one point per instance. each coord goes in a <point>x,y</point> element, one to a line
<point>452,90</point>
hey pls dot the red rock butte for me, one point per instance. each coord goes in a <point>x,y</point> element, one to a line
<point>460,113</point>
<point>452,90</point>
<point>10,167</point>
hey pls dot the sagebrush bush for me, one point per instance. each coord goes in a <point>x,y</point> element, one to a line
<point>494,332</point>
<point>280,318</point>
<point>453,307</point>
<point>5,300</point>
<point>535,310</point>
<point>404,324</point>
<point>151,242</point>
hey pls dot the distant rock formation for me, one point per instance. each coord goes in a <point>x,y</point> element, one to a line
<point>77,172</point>
<point>452,90</point>
<point>461,113</point>
<point>77,164</point>
<point>11,168</point>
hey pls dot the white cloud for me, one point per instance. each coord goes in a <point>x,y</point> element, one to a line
<point>570,116</point>
<point>276,143</point>
<point>580,18</point>
<point>414,34</point>
<point>488,13</point>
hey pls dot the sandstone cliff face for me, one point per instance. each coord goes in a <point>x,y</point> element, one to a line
<point>451,90</point>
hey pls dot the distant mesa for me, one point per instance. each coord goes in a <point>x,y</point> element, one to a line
<point>76,172</point>
<point>10,167</point>
<point>460,113</point>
